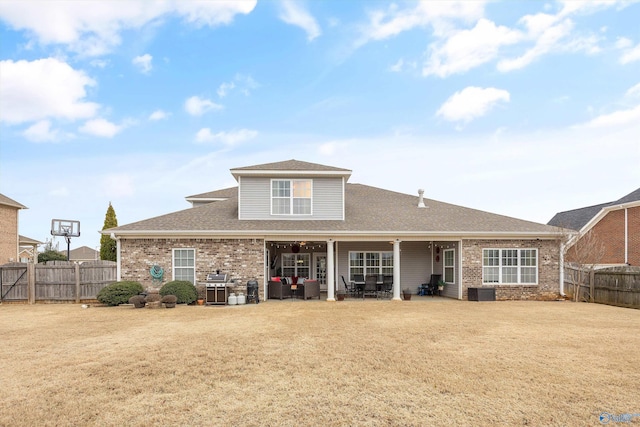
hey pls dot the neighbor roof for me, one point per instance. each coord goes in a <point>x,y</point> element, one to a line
<point>369,211</point>
<point>4,200</point>
<point>23,240</point>
<point>576,219</point>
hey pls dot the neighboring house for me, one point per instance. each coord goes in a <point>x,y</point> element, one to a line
<point>295,218</point>
<point>607,234</point>
<point>28,249</point>
<point>9,222</point>
<point>82,254</point>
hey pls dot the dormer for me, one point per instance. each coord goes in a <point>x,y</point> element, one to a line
<point>291,190</point>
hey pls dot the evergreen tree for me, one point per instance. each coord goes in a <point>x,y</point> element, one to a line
<point>51,253</point>
<point>107,244</point>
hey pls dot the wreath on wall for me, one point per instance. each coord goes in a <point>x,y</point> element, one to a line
<point>156,272</point>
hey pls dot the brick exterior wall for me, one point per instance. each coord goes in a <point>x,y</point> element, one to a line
<point>8,234</point>
<point>240,258</point>
<point>548,287</point>
<point>609,234</point>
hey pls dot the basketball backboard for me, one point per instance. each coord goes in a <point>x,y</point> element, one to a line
<point>65,227</point>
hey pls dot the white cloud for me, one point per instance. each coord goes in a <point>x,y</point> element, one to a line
<point>468,49</point>
<point>619,118</point>
<point>471,102</point>
<point>294,14</point>
<point>44,88</point>
<point>241,83</point>
<point>224,89</point>
<point>212,13</point>
<point>397,67</point>
<point>197,106</point>
<point>547,41</point>
<point>631,55</point>
<point>158,115</point>
<point>384,24</point>
<point>143,63</point>
<point>205,135</point>
<point>101,127</point>
<point>93,27</point>
<point>41,132</point>
<point>633,91</point>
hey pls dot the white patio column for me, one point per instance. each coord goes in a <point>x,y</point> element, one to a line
<point>331,285</point>
<point>396,270</point>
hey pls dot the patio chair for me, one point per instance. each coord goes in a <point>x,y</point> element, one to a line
<point>349,287</point>
<point>387,286</point>
<point>433,284</point>
<point>370,286</point>
<point>358,283</point>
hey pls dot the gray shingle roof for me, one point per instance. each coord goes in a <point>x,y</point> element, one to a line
<point>577,218</point>
<point>291,165</point>
<point>218,194</point>
<point>368,210</point>
<point>4,200</point>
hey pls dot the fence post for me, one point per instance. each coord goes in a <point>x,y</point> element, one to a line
<point>31,283</point>
<point>592,284</point>
<point>77,268</point>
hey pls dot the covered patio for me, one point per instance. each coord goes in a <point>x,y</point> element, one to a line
<point>341,267</point>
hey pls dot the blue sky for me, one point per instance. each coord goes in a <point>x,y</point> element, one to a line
<point>519,108</point>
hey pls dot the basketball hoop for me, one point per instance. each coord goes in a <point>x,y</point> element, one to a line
<point>66,228</point>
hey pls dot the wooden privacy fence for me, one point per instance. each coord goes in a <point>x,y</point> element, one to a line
<point>618,286</point>
<point>55,281</point>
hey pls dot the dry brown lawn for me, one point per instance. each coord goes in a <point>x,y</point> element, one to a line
<point>293,363</point>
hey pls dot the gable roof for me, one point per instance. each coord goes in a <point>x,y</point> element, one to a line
<point>4,200</point>
<point>369,211</point>
<point>23,240</point>
<point>576,219</point>
<point>290,168</point>
<point>82,253</point>
<point>213,196</point>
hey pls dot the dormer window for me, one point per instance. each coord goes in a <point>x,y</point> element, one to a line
<point>291,197</point>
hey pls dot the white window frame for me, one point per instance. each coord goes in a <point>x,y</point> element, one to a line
<point>382,261</point>
<point>183,267</point>
<point>452,267</point>
<point>291,197</point>
<point>296,262</point>
<point>510,262</point>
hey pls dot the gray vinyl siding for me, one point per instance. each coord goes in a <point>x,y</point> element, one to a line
<point>255,200</point>
<point>415,265</point>
<point>416,261</point>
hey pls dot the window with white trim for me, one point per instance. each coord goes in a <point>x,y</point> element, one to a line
<point>518,266</point>
<point>449,266</point>
<point>298,265</point>
<point>184,265</point>
<point>366,263</point>
<point>291,196</point>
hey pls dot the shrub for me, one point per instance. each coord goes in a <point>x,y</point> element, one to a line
<point>119,292</point>
<point>138,301</point>
<point>152,298</point>
<point>169,301</point>
<point>183,290</point>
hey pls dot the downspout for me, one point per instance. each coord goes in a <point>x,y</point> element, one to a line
<point>118,262</point>
<point>626,236</point>
<point>562,270</point>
